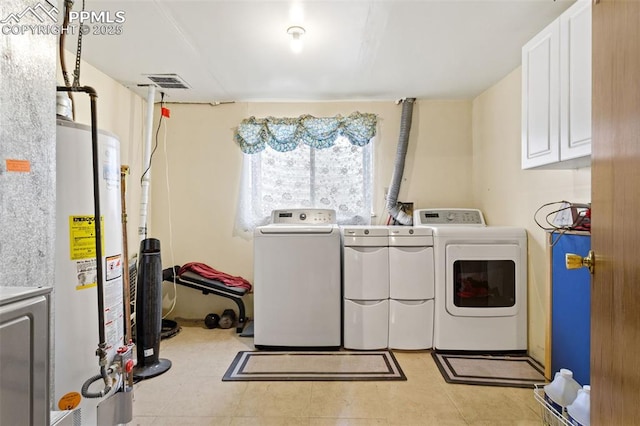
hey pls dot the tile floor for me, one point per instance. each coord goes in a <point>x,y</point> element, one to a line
<point>192,393</point>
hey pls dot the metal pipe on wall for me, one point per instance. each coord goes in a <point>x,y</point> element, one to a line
<point>124,171</point>
<point>145,180</point>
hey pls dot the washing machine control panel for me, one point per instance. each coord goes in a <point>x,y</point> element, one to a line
<point>426,217</point>
<point>304,217</point>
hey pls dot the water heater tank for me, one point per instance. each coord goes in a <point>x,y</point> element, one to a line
<point>75,308</point>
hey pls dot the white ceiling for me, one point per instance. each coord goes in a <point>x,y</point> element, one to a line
<point>238,50</point>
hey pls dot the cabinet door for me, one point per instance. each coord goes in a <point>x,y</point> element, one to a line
<point>575,81</point>
<point>540,98</point>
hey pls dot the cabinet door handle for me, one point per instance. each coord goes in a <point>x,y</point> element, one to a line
<point>575,261</point>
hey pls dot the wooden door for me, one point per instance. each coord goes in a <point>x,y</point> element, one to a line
<point>615,300</point>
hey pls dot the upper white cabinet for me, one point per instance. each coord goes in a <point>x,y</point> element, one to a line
<point>541,98</point>
<point>556,92</point>
<point>575,81</point>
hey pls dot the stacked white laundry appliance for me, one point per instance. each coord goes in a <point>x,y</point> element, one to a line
<point>388,284</point>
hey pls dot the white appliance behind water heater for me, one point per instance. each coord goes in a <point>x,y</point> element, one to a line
<point>75,291</point>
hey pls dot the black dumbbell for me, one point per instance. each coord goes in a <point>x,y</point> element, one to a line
<point>212,320</point>
<point>228,319</point>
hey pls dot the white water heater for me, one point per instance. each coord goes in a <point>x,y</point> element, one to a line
<point>75,305</point>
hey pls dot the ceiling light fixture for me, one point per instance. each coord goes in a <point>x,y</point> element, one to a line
<point>296,33</point>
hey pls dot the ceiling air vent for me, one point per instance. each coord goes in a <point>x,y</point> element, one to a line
<point>168,81</point>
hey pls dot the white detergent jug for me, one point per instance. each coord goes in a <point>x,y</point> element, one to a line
<point>562,391</point>
<point>578,410</point>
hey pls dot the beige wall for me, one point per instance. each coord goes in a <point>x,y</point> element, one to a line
<point>193,214</point>
<point>510,196</point>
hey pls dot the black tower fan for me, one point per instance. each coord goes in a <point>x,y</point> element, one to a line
<point>149,312</point>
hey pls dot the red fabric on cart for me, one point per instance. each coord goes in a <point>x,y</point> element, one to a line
<point>207,271</point>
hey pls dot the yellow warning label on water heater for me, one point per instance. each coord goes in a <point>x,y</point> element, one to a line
<point>82,236</point>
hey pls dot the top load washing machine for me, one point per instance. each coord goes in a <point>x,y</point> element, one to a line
<point>297,289</point>
<point>480,281</point>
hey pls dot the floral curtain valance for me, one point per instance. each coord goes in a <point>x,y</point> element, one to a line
<point>285,134</point>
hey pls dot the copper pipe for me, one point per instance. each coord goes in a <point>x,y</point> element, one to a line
<point>126,283</point>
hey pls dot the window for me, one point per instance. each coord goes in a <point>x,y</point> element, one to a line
<point>338,177</point>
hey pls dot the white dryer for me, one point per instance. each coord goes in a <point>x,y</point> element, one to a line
<point>480,282</point>
<point>297,291</point>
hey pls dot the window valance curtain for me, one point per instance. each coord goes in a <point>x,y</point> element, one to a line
<point>285,134</point>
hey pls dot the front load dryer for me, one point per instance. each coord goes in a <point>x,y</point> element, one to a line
<point>480,282</point>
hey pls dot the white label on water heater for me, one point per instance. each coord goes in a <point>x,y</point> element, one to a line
<point>148,352</point>
<point>87,274</point>
<point>114,267</point>
<point>113,310</point>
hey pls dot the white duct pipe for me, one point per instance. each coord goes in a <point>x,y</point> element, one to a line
<point>145,181</point>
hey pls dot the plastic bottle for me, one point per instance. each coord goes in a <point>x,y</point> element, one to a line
<point>562,391</point>
<point>578,410</point>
